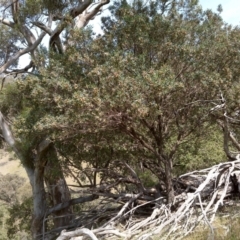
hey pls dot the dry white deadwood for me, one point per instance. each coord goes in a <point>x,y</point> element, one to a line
<point>217,184</point>
<point>121,212</point>
<point>108,231</point>
<point>200,194</point>
<point>70,235</point>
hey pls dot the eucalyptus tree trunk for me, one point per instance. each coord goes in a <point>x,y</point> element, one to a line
<point>58,190</point>
<point>47,170</point>
<point>39,202</point>
<point>38,188</point>
<point>44,166</point>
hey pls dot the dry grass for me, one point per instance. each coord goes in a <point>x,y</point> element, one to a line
<point>226,227</point>
<point>9,164</point>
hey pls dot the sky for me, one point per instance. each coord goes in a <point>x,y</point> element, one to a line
<point>231,9</point>
<point>230,14</point>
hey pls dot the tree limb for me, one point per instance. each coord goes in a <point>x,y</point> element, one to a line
<point>43,27</point>
<point>7,22</point>
<point>71,202</point>
<point>69,235</point>
<point>4,67</point>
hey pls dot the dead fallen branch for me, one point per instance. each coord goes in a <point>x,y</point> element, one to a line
<point>210,194</point>
<point>199,195</point>
<point>84,231</point>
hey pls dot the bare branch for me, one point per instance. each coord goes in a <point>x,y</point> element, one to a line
<point>82,6</point>
<point>67,235</point>
<point>7,22</point>
<point>43,27</point>
<point>4,67</point>
<point>17,71</point>
<point>83,19</point>
<point>71,202</point>
<point>95,11</point>
<point>124,208</point>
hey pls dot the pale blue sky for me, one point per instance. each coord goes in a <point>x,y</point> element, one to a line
<point>231,9</point>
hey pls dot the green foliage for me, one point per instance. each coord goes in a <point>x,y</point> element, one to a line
<point>162,77</point>
<point>200,153</point>
<point>9,185</point>
<point>3,215</point>
<point>34,9</point>
<point>147,178</point>
<point>9,92</point>
<point>14,212</point>
<point>19,221</point>
<point>141,92</point>
<point>8,46</point>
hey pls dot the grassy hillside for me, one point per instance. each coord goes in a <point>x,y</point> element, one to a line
<point>9,164</point>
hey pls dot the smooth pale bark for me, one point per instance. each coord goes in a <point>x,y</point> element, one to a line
<point>39,195</point>
<point>15,57</point>
<point>39,203</point>
<point>35,174</point>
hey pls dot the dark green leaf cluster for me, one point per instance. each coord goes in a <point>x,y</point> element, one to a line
<point>9,44</point>
<point>19,221</point>
<point>9,185</point>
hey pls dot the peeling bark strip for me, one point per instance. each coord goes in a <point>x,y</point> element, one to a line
<point>39,203</point>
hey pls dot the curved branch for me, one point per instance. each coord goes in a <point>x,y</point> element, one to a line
<point>43,27</point>
<point>4,67</point>
<point>82,6</point>
<point>67,235</point>
<point>17,71</point>
<point>83,20</point>
<point>73,201</point>
<point>91,14</point>
<point>7,22</point>
<point>87,16</point>
<point>22,70</point>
